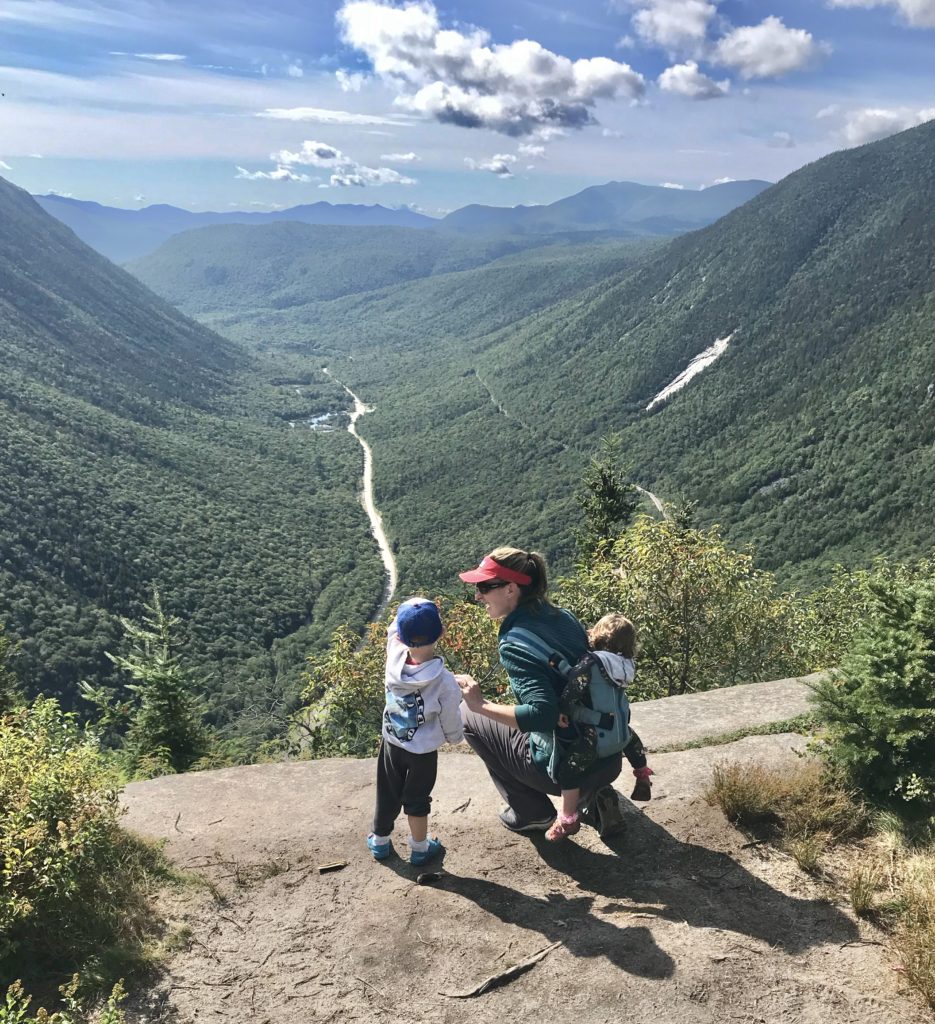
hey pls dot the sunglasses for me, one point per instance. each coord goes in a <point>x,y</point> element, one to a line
<point>488,585</point>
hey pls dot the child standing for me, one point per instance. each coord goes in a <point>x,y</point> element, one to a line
<point>613,640</point>
<point>422,712</point>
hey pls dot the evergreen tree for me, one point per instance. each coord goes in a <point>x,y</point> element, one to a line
<point>880,706</point>
<point>166,732</point>
<point>607,500</point>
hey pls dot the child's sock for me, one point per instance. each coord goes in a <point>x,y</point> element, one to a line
<point>418,845</point>
<point>380,840</point>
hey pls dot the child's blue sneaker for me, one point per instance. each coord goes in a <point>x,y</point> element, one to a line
<point>420,857</point>
<point>380,851</point>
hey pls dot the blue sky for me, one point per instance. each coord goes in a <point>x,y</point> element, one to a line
<point>227,104</point>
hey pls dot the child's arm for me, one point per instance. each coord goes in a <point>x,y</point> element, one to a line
<point>449,714</point>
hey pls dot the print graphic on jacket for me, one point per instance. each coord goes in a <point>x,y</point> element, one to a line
<point>404,714</point>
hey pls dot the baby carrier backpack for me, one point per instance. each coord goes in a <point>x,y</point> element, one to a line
<point>592,696</point>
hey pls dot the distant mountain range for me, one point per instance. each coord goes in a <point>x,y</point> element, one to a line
<point>123,235</point>
<point>617,208</point>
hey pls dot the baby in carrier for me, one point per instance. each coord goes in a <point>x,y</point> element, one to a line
<point>613,640</point>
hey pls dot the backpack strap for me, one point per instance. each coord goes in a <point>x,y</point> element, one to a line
<point>532,644</point>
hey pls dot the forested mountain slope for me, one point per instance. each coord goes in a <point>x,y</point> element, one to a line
<point>810,436</point>
<point>139,448</point>
<point>123,235</point>
<point>235,268</point>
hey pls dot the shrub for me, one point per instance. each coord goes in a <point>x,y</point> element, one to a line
<point>879,709</point>
<point>705,616</point>
<point>72,885</point>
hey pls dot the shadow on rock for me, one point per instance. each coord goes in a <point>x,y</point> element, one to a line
<point>648,870</point>
<point>569,921</point>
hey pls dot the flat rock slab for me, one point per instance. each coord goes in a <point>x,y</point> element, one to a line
<point>679,919</point>
<point>673,721</point>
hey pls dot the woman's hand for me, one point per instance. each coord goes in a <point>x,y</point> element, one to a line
<point>470,692</point>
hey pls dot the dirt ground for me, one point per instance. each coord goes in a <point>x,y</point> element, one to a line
<point>680,919</point>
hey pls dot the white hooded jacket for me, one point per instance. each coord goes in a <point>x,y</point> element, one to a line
<point>620,669</point>
<point>422,701</point>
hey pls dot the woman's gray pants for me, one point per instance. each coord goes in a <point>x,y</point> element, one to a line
<point>505,753</point>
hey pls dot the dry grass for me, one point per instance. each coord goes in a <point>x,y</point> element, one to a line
<point>891,877</point>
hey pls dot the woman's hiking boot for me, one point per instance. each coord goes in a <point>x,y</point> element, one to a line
<point>515,823</point>
<point>603,813</point>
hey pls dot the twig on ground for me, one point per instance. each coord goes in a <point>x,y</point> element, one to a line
<point>374,987</point>
<point>462,807</point>
<point>178,818</point>
<point>495,980</point>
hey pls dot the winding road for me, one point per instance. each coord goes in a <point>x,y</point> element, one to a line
<point>366,499</point>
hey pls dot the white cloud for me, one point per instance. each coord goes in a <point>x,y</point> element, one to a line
<point>918,13</point>
<point>350,81</point>
<point>672,184</point>
<point>781,140</point>
<point>769,49</point>
<point>399,158</point>
<point>280,173</point>
<point>500,164</point>
<point>345,170</point>
<point>686,80</point>
<point>139,198</point>
<point>679,26</point>
<point>4,166</point>
<point>320,116</point>
<point>295,70</point>
<point>455,77</point>
<point>872,123</point>
<point>531,150</point>
<point>723,181</point>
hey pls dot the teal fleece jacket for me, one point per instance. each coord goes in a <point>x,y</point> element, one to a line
<point>535,686</point>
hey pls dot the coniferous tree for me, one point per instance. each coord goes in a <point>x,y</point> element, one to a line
<point>607,500</point>
<point>166,730</point>
<point>880,706</point>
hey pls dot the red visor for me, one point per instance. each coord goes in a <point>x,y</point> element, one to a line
<point>491,570</point>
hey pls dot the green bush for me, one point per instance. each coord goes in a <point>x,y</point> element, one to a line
<point>705,616</point>
<point>15,1007</point>
<point>879,707</point>
<point>74,886</point>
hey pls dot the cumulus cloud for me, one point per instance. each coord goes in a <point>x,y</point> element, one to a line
<point>295,70</point>
<point>350,81</point>
<point>319,115</point>
<point>686,80</point>
<point>723,181</point>
<point>918,13</point>
<point>672,184</point>
<point>768,49</point>
<point>139,198</point>
<point>500,164</point>
<point>872,123</point>
<point>344,170</point>
<point>679,26</point>
<point>399,158</point>
<point>4,166</point>
<point>531,150</point>
<point>279,173</point>
<point>456,77</point>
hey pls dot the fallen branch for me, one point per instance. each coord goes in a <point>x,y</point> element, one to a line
<point>462,807</point>
<point>496,980</point>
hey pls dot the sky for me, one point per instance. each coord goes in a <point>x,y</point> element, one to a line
<point>229,104</point>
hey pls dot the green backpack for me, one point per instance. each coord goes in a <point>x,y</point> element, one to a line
<point>593,697</point>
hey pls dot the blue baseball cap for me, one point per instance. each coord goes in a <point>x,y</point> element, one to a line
<point>418,622</point>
